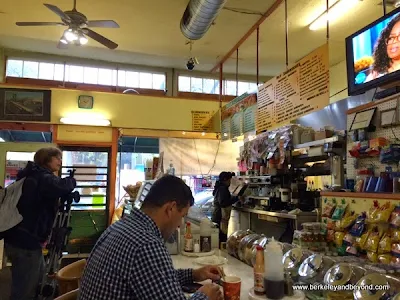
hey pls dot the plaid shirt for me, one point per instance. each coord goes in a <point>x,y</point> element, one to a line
<point>130,261</point>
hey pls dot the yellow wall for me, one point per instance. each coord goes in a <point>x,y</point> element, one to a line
<point>132,111</point>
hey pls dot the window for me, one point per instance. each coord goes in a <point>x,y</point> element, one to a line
<point>85,74</point>
<point>211,86</point>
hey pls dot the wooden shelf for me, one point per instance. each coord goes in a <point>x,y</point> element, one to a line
<point>377,196</point>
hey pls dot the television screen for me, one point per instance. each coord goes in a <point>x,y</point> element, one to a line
<point>373,54</point>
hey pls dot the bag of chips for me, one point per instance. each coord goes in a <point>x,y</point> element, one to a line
<point>385,244</point>
<point>385,259</point>
<point>328,209</point>
<point>339,211</point>
<point>373,240</point>
<point>395,233</point>
<point>395,217</point>
<point>372,256</point>
<point>351,250</point>
<point>383,213</point>
<point>358,228</point>
<point>362,241</point>
<point>348,239</point>
<point>346,221</point>
<point>396,250</point>
<point>339,236</point>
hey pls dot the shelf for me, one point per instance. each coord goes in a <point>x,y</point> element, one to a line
<point>318,143</point>
<point>258,197</point>
<point>388,196</point>
<point>272,214</point>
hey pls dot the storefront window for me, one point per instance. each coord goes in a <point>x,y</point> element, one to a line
<point>131,169</point>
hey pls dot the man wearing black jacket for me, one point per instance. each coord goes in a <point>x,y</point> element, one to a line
<point>223,201</point>
<point>38,206</point>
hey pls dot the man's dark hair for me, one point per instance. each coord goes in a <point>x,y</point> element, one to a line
<point>167,189</point>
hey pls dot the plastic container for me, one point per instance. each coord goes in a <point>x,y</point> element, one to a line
<point>274,279</point>
<point>205,235</point>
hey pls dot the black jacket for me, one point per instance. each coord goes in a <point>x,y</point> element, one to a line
<point>222,199</point>
<point>38,206</point>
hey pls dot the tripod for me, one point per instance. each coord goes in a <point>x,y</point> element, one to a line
<point>57,242</point>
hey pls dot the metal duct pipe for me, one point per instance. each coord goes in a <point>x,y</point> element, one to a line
<point>198,17</point>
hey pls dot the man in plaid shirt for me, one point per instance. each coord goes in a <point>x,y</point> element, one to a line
<point>130,260</point>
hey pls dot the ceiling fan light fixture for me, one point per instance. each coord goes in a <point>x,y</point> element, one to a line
<point>70,35</point>
<point>83,40</point>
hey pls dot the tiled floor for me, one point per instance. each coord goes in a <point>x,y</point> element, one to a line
<point>5,282</point>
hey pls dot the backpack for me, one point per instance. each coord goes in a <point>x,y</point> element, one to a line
<point>9,214</point>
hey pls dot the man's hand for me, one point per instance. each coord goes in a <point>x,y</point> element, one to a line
<point>207,272</point>
<point>212,291</point>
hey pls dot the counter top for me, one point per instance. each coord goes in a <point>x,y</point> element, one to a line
<point>273,213</point>
<point>233,267</point>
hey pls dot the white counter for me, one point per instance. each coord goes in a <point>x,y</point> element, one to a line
<point>233,267</point>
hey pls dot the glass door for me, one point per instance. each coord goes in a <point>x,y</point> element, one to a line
<point>90,215</point>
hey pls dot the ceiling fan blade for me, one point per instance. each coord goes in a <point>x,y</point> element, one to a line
<point>39,24</point>
<point>100,39</point>
<point>103,23</point>
<point>62,46</point>
<point>58,12</point>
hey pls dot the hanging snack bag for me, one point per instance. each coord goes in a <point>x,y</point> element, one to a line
<point>346,222</point>
<point>373,240</point>
<point>395,233</point>
<point>328,209</point>
<point>330,236</point>
<point>373,211</point>
<point>339,236</point>
<point>339,211</point>
<point>330,224</point>
<point>358,228</point>
<point>348,239</point>
<point>395,217</point>
<point>352,250</point>
<point>395,261</point>
<point>383,213</point>
<point>385,244</point>
<point>361,242</point>
<point>372,256</point>
<point>396,250</point>
<point>384,258</point>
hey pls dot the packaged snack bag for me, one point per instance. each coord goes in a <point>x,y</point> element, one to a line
<point>385,258</point>
<point>373,240</point>
<point>346,222</point>
<point>385,244</point>
<point>339,211</point>
<point>395,233</point>
<point>358,228</point>
<point>328,209</point>
<point>372,256</point>
<point>348,239</point>
<point>339,236</point>
<point>383,213</point>
<point>395,217</point>
<point>362,243</point>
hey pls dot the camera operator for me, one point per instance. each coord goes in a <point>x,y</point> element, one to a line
<point>38,206</point>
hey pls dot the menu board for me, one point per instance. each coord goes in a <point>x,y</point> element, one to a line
<point>238,116</point>
<point>302,89</point>
<point>202,120</point>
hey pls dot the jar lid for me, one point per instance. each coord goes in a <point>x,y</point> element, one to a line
<point>310,266</point>
<point>292,258</point>
<point>375,279</point>
<point>339,274</point>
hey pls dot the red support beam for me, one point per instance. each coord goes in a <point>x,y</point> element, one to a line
<point>270,10</point>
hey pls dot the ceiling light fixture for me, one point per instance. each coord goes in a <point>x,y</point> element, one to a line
<point>85,121</point>
<point>70,35</point>
<point>83,40</point>
<point>335,11</point>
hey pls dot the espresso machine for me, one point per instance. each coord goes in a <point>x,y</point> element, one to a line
<point>335,151</point>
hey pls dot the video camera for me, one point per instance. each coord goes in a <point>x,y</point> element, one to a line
<point>71,197</point>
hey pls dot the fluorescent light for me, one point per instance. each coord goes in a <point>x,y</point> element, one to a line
<point>85,121</point>
<point>335,11</point>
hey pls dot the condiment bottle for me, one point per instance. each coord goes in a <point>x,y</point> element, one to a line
<point>196,246</point>
<point>274,281</point>
<point>188,238</point>
<point>205,235</point>
<point>259,272</point>
<point>288,285</point>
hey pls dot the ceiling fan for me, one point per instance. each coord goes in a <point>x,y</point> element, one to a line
<point>78,27</point>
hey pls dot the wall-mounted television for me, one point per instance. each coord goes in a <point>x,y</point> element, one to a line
<point>373,54</point>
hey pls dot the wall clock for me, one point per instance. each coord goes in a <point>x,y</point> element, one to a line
<point>85,102</point>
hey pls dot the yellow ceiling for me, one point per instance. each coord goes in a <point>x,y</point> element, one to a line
<point>150,33</point>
